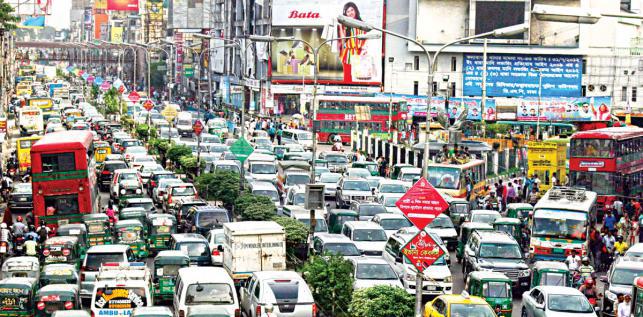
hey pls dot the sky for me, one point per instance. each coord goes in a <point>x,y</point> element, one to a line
<point>59,18</point>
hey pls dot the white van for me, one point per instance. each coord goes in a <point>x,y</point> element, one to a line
<point>184,123</point>
<point>120,288</point>
<point>301,137</point>
<point>204,286</point>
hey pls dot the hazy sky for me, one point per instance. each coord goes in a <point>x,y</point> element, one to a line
<point>59,17</point>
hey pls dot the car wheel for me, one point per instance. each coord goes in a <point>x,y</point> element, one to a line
<point>523,312</point>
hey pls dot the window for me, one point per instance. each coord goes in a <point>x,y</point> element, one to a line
<point>623,93</point>
<point>452,89</point>
<point>634,92</point>
<point>60,162</point>
<point>435,88</point>
<point>583,90</point>
<point>257,291</point>
<point>63,204</point>
<point>416,88</point>
<point>584,66</point>
<point>454,63</point>
<point>416,62</point>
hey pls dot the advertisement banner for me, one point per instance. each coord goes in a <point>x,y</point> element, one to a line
<point>351,61</point>
<point>417,106</point>
<point>217,51</point>
<point>519,75</point>
<point>100,22</point>
<point>565,109</point>
<point>100,4</point>
<point>122,5</point>
<point>117,34</point>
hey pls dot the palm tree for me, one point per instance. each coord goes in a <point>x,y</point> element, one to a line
<point>7,19</point>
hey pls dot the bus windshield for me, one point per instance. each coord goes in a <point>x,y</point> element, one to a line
<point>560,224</point>
<point>444,177</point>
<point>592,148</point>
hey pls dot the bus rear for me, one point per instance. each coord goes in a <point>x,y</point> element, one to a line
<point>560,223</point>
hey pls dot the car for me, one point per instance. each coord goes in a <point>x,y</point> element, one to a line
<point>458,305</point>
<point>177,192</point>
<point>96,256</point>
<point>618,280</point>
<point>133,151</point>
<point>121,175</point>
<point>194,246</point>
<point>139,160</point>
<point>266,189</point>
<point>366,210</point>
<point>337,161</point>
<point>389,201</point>
<point>262,171</point>
<point>184,205</point>
<point>391,222</point>
<point>544,301</point>
<point>286,290</point>
<point>155,177</point>
<point>199,285</point>
<point>368,236</point>
<point>388,186</point>
<point>635,251</point>
<point>496,251</point>
<point>353,172</point>
<point>224,165</point>
<point>158,193</point>
<point>369,272</point>
<point>484,216</point>
<point>215,239</point>
<point>21,198</point>
<point>293,178</point>
<point>336,244</point>
<point>145,203</point>
<point>349,189</point>
<point>146,170</point>
<point>106,172</point>
<point>443,226</point>
<point>295,196</point>
<point>201,219</point>
<point>329,180</point>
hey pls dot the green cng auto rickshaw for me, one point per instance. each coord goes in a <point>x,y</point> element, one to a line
<point>166,267</point>
<point>550,273</point>
<point>494,287</point>
<point>520,211</point>
<point>56,297</point>
<point>58,274</point>
<point>98,229</point>
<point>370,166</point>
<point>78,230</point>
<point>16,296</point>
<point>458,210</point>
<point>131,232</point>
<point>137,213</point>
<point>21,266</point>
<point>397,168</point>
<point>337,218</point>
<point>465,231</point>
<point>510,226</point>
<point>62,250</point>
<point>160,227</point>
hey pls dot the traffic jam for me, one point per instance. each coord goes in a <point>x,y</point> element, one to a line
<point>158,209</point>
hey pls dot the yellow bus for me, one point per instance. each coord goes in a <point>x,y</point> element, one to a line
<point>23,89</point>
<point>449,179</point>
<point>544,158</point>
<point>23,151</point>
<point>43,103</point>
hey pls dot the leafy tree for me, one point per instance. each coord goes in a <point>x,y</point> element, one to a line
<point>7,19</point>
<point>296,231</point>
<point>258,212</point>
<point>187,161</point>
<point>331,281</point>
<point>248,199</point>
<point>112,102</point>
<point>221,186</point>
<point>177,151</point>
<point>382,301</point>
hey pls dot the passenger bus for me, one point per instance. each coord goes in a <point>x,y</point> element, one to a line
<point>339,115</point>
<point>608,161</point>
<point>23,152</point>
<point>63,177</point>
<point>449,179</point>
<point>45,104</point>
<point>561,222</point>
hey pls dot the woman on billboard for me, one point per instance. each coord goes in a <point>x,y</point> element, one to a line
<point>356,64</point>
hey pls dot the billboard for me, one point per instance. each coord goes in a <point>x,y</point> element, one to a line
<point>519,75</point>
<point>117,34</point>
<point>417,106</point>
<point>565,109</point>
<point>100,24</point>
<point>122,5</point>
<point>351,61</point>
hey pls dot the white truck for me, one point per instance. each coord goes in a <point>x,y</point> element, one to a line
<point>30,119</point>
<point>252,246</point>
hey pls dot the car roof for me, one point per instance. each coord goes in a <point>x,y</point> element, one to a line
<point>638,247</point>
<point>108,248</point>
<point>203,274</point>
<point>629,262</point>
<point>183,237</point>
<point>333,237</point>
<point>271,275</point>
<point>363,225</point>
<point>262,186</point>
<point>369,260</point>
<point>484,211</point>
<point>559,290</point>
<point>495,236</point>
<point>390,215</point>
<point>458,298</point>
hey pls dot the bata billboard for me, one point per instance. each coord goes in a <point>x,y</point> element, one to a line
<point>122,5</point>
<point>349,61</point>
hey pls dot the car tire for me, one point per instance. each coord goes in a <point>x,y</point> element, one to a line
<point>523,312</point>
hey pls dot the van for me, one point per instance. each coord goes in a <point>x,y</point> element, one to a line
<point>301,137</point>
<point>184,123</point>
<point>96,256</point>
<point>120,288</point>
<point>203,286</point>
<point>194,246</point>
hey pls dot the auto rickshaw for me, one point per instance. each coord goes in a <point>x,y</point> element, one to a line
<point>160,227</point>
<point>62,250</point>
<point>337,218</point>
<point>465,231</point>
<point>21,266</point>
<point>98,229</point>
<point>16,296</point>
<point>372,167</point>
<point>55,297</point>
<point>58,274</point>
<point>166,268</point>
<point>137,213</point>
<point>458,210</point>
<point>494,287</point>
<point>78,230</point>
<point>510,226</point>
<point>101,150</point>
<point>550,273</point>
<point>131,232</point>
<point>637,297</point>
<point>395,171</point>
<point>519,211</point>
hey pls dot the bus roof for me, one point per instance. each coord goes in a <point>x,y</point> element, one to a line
<point>471,163</point>
<point>567,198</point>
<point>614,133</point>
<point>542,124</point>
<point>69,140</point>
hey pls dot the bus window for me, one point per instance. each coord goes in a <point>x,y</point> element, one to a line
<point>63,204</point>
<point>60,162</point>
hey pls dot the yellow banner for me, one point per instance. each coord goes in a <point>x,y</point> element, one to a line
<point>117,34</point>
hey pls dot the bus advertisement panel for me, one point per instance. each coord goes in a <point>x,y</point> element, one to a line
<point>43,103</point>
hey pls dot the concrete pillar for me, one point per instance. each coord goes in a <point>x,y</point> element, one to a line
<point>495,162</point>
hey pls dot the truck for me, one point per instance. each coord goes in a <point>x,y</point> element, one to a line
<point>252,246</point>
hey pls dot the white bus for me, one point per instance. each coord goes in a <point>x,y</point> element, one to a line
<point>30,120</point>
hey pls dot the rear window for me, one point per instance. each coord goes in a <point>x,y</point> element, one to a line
<point>209,293</point>
<point>120,297</point>
<point>287,291</point>
<point>95,260</point>
<point>183,191</point>
<point>211,219</point>
<point>194,249</point>
<point>115,166</point>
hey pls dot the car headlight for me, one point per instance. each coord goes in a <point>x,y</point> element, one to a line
<point>485,268</point>
<point>122,191</point>
<point>611,296</point>
<point>138,191</point>
<point>409,277</point>
<point>448,279</point>
<point>525,273</point>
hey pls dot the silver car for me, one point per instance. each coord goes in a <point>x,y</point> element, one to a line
<point>159,192</point>
<point>285,291</point>
<point>369,272</point>
<point>543,301</point>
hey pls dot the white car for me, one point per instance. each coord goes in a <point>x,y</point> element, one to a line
<point>262,171</point>
<point>391,222</point>
<point>287,291</point>
<point>555,301</point>
<point>369,272</point>
<point>392,187</point>
<point>389,200</point>
<point>329,180</point>
<point>368,236</point>
<point>443,226</point>
<point>215,238</point>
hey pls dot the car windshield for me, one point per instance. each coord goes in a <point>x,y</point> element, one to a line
<point>441,223</point>
<point>569,303</point>
<point>272,194</point>
<point>375,271</point>
<point>151,168</point>
<point>472,310</point>
<point>345,249</point>
<point>371,210</point>
<point>285,291</point>
<point>211,219</point>
<point>194,249</point>
<point>409,177</point>
<point>320,224</point>
<point>484,218</point>
<point>361,173</point>
<point>496,289</point>
<point>263,169</point>
<point>218,148</point>
<point>95,260</point>
<point>559,224</point>
<point>444,177</point>
<point>228,167</point>
<point>172,134</point>
<point>395,224</point>
<point>183,191</point>
<point>297,179</point>
<point>357,185</point>
<point>209,293</point>
<point>393,188</point>
<point>22,189</point>
<point>128,176</point>
<point>500,251</point>
<point>626,276</point>
<point>369,235</point>
<point>299,199</point>
<point>329,178</point>
<point>336,159</point>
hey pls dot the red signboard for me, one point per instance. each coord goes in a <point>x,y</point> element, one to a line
<point>134,96</point>
<point>197,127</point>
<point>422,251</point>
<point>121,89</point>
<point>148,105</point>
<point>122,5</point>
<point>422,203</point>
<point>105,86</point>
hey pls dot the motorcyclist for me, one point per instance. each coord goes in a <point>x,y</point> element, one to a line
<point>589,289</point>
<point>337,143</point>
<point>42,231</point>
<point>620,246</point>
<point>30,234</point>
<point>18,228</point>
<point>586,270</point>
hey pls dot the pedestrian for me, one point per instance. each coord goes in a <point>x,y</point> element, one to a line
<point>554,180</point>
<point>619,299</point>
<point>609,221</point>
<point>618,207</point>
<point>625,308</point>
<point>511,193</point>
<point>279,133</point>
<point>534,196</point>
<point>595,244</point>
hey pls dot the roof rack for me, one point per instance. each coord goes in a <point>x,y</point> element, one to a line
<point>569,193</point>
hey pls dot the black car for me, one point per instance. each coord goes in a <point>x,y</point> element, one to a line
<point>21,198</point>
<point>106,173</point>
<point>154,180</point>
<point>202,219</point>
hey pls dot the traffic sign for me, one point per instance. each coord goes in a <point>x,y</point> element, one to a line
<point>121,89</point>
<point>148,105</point>
<point>241,149</point>
<point>422,203</point>
<point>422,251</point>
<point>197,127</point>
<point>133,96</point>
<point>105,86</point>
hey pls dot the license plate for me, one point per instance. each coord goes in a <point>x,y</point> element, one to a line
<point>54,248</point>
<point>430,288</point>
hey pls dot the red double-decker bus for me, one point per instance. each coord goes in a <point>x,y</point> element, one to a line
<point>608,161</point>
<point>339,115</point>
<point>63,177</point>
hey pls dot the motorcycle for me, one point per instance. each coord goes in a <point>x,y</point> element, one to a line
<point>19,242</point>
